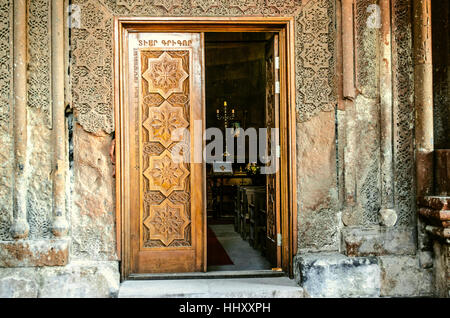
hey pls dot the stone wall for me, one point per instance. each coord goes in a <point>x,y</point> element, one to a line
<point>345,249</point>
<point>338,246</point>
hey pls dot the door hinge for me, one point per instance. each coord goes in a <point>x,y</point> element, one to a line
<point>279,239</point>
<point>277,62</point>
<point>277,87</point>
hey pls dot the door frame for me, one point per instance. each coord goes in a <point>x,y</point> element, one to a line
<point>284,26</point>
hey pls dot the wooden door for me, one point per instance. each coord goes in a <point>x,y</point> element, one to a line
<point>164,92</point>
<point>273,241</point>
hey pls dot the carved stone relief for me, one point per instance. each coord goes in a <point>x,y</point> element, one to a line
<point>91,67</point>
<point>403,96</point>
<point>315,59</point>
<point>39,52</point>
<point>5,118</point>
<point>315,53</point>
<point>130,4</point>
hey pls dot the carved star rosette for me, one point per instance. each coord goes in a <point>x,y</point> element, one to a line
<point>163,121</point>
<point>165,175</point>
<point>167,222</point>
<point>165,75</point>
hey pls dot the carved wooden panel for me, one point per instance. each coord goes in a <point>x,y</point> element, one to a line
<point>164,74</point>
<point>163,96</point>
<point>167,222</point>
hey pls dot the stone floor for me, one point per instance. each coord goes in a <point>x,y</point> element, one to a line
<point>241,253</point>
<point>267,287</point>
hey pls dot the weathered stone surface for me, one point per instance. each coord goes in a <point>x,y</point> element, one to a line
<point>317,189</point>
<point>25,253</point>
<point>441,269</point>
<point>263,287</point>
<point>388,217</point>
<point>335,275</point>
<point>93,214</point>
<point>78,279</point>
<point>99,279</point>
<point>378,240</point>
<point>425,259</point>
<point>367,160</point>
<point>402,276</point>
<point>361,164</point>
<point>18,283</point>
<point>40,157</point>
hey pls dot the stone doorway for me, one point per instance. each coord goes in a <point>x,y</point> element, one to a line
<point>189,252</point>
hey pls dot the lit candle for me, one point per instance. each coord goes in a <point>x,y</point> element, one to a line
<point>232,111</point>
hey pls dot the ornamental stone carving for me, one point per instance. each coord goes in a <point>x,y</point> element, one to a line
<point>167,4</point>
<point>130,4</point>
<point>205,5</point>
<point>315,34</point>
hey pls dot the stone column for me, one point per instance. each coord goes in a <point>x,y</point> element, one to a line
<point>423,96</point>
<point>60,225</point>
<point>388,216</point>
<point>20,227</point>
<point>349,92</point>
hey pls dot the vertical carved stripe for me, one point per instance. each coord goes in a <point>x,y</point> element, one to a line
<point>39,57</point>
<point>403,111</point>
<point>6,155</point>
<point>164,104</point>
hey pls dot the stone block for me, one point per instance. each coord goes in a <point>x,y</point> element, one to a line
<point>317,189</point>
<point>441,268</point>
<point>93,208</point>
<point>378,240</point>
<point>79,280</point>
<point>260,287</point>
<point>402,276</point>
<point>29,253</point>
<point>335,275</point>
<point>76,280</point>
<point>18,283</point>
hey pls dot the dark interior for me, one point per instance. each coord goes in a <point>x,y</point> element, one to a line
<point>236,74</point>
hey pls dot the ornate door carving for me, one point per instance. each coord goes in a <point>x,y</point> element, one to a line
<point>164,94</point>
<point>273,180</point>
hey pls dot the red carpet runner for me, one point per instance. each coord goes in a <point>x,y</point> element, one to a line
<point>216,254</point>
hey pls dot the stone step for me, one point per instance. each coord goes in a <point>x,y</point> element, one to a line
<point>261,287</point>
